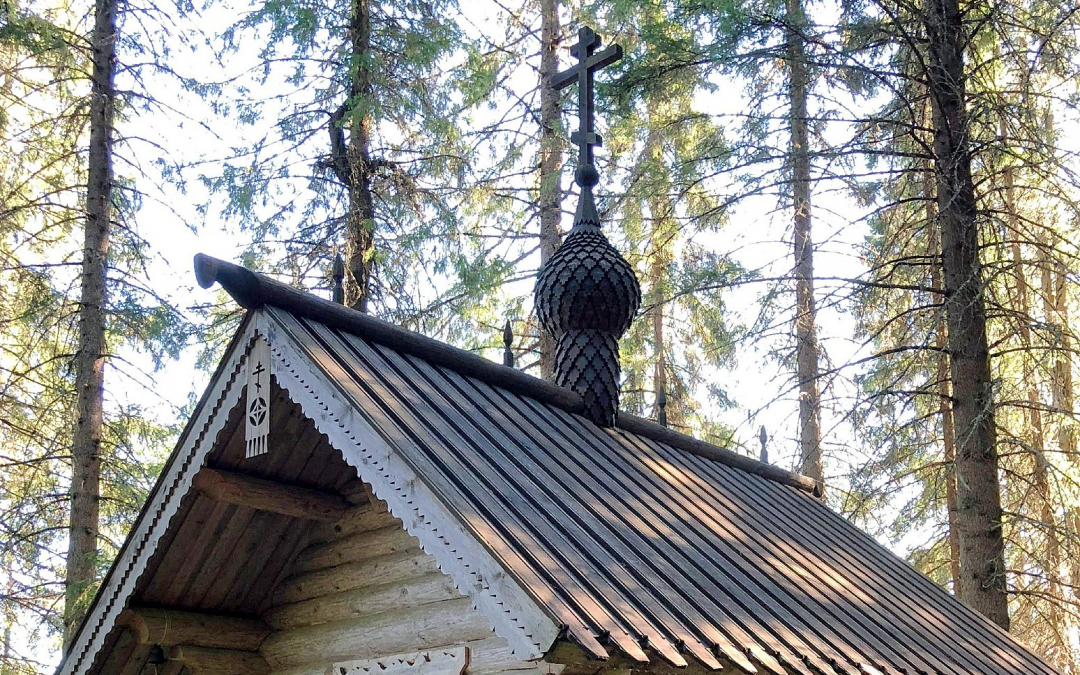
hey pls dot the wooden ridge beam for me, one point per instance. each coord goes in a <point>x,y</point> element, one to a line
<point>169,627</point>
<point>270,496</point>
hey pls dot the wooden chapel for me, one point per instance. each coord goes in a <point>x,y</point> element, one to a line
<point>352,498</point>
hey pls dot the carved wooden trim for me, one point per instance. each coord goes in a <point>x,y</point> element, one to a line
<point>197,440</point>
<point>452,661</point>
<point>514,615</point>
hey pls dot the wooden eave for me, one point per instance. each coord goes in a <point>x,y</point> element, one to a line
<point>635,545</point>
<point>219,531</point>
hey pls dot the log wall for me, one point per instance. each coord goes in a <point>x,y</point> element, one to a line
<point>364,589</point>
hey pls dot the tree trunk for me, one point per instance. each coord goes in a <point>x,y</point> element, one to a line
<point>656,273</point>
<point>1055,272</point>
<point>360,221</point>
<point>1034,436</point>
<point>1063,380</point>
<point>948,429</point>
<point>662,210</point>
<point>979,516</point>
<point>550,160</point>
<point>806,349</point>
<point>90,357</point>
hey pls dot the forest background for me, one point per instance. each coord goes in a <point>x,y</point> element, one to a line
<point>854,221</point>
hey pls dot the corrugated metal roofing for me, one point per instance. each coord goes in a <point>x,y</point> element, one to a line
<point>655,550</point>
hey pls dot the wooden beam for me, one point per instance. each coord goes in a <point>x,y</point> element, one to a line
<point>416,628</point>
<point>265,495</point>
<point>207,661</point>
<point>387,569</point>
<point>359,519</point>
<point>168,627</point>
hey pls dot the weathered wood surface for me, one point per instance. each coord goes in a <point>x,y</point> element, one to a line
<point>171,668</point>
<point>493,655</point>
<point>154,626</point>
<point>425,627</point>
<point>424,590</point>
<point>355,521</point>
<point>208,661</point>
<point>304,670</point>
<point>264,495</point>
<point>439,661</point>
<point>358,548</point>
<point>380,570</point>
<point>365,591</point>
<point>124,649</point>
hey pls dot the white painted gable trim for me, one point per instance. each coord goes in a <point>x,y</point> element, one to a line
<point>197,440</point>
<point>514,614</point>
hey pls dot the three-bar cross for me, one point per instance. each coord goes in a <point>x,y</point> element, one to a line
<point>589,60</point>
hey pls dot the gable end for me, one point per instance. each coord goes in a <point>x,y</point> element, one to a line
<point>513,613</point>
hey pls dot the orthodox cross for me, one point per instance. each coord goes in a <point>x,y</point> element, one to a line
<point>589,61</point>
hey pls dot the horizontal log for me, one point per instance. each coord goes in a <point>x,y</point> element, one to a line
<point>494,655</point>
<point>125,650</point>
<point>359,547</point>
<point>171,668</point>
<point>168,627</point>
<point>207,661</point>
<point>374,572</point>
<point>265,495</point>
<point>437,625</point>
<point>357,492</point>
<point>303,670</point>
<point>433,587</point>
<point>367,518</point>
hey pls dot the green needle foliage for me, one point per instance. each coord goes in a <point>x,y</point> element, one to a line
<point>663,147</point>
<point>44,64</point>
<point>1025,192</point>
<point>349,140</point>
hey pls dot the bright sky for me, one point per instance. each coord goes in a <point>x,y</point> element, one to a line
<point>757,236</point>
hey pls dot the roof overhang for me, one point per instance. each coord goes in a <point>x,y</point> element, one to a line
<point>513,613</point>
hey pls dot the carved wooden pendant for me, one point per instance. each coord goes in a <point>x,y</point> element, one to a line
<point>257,425</point>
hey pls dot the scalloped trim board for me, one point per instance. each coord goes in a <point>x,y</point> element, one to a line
<point>175,482</point>
<point>514,616</point>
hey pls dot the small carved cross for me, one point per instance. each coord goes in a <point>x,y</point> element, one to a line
<point>257,372</point>
<point>589,61</point>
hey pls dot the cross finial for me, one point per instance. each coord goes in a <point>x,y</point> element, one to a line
<point>508,343</point>
<point>337,274</point>
<point>589,61</point>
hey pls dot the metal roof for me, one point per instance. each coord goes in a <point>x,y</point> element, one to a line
<point>629,541</point>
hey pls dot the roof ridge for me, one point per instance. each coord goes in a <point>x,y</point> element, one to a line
<point>253,290</point>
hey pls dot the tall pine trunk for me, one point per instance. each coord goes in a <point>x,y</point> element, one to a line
<point>90,357</point>
<point>1055,274</point>
<point>550,159</point>
<point>661,239</point>
<point>979,516</point>
<point>948,429</point>
<point>360,221</point>
<point>806,343</point>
